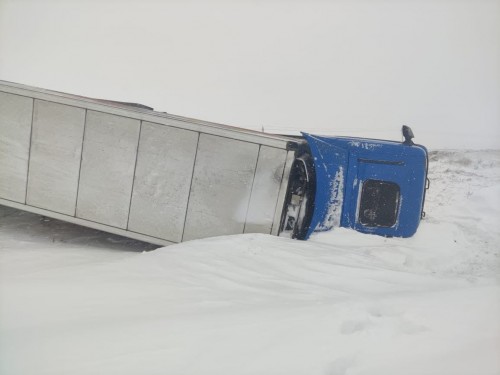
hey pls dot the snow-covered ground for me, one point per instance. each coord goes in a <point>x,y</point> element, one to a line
<point>79,301</point>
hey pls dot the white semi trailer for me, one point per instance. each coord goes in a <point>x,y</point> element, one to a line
<point>126,169</point>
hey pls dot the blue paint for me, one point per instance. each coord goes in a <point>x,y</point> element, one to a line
<point>357,160</point>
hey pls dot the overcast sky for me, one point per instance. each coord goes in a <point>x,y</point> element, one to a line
<point>332,67</point>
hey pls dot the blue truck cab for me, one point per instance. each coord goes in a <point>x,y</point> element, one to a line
<point>372,186</point>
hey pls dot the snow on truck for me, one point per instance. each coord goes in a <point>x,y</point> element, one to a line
<point>127,169</point>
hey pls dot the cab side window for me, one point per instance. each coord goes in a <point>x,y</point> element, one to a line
<point>379,203</point>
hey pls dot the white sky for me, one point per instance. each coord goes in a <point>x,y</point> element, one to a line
<point>333,67</point>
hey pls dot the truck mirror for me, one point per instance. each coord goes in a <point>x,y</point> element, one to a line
<point>408,135</point>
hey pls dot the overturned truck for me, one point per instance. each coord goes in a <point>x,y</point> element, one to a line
<point>127,169</point>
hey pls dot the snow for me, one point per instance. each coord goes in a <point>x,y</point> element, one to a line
<point>78,301</point>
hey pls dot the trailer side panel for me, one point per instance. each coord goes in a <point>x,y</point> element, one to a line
<point>56,148</point>
<point>16,113</point>
<point>220,192</point>
<point>163,175</point>
<point>108,163</point>
<point>265,190</point>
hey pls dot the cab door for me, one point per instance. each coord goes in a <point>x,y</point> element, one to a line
<point>388,187</point>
